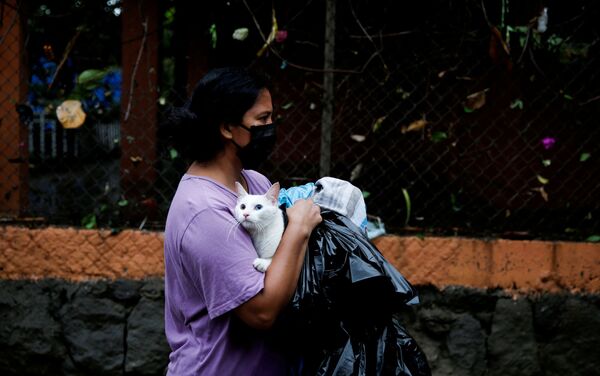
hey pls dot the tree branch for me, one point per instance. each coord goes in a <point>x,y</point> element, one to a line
<point>135,68</point>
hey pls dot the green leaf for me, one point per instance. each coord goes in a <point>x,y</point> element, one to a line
<point>546,162</point>
<point>517,103</point>
<point>90,75</point>
<point>522,40</point>
<point>467,109</point>
<point>89,221</point>
<point>366,194</point>
<point>584,157</point>
<point>568,97</point>
<point>213,35</point>
<point>378,123</point>
<point>454,201</point>
<point>408,205</point>
<point>542,179</point>
<point>554,40</point>
<point>438,136</point>
<point>287,106</point>
<point>122,203</point>
<point>593,239</point>
<point>173,153</point>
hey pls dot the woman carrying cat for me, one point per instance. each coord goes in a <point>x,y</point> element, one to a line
<point>218,308</point>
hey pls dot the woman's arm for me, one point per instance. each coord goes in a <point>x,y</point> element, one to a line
<point>281,278</point>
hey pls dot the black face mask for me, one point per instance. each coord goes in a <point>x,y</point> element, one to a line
<point>262,142</point>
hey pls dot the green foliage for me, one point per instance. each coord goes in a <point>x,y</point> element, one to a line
<point>438,136</point>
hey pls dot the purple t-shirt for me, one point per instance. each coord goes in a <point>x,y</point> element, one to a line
<point>208,273</point>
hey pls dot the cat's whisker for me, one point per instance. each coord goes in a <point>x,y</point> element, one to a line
<point>233,227</point>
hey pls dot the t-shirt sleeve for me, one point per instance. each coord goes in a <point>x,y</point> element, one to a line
<point>218,254</point>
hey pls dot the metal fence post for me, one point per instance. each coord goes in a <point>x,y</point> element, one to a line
<point>329,95</point>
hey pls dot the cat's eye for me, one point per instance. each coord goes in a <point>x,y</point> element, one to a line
<point>258,207</point>
<point>242,206</point>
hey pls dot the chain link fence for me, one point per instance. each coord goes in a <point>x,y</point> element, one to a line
<point>478,118</point>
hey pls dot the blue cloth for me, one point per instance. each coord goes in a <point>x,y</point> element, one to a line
<point>288,196</point>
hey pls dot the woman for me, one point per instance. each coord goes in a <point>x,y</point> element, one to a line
<point>218,308</point>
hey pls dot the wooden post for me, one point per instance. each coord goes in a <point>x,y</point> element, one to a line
<point>328,86</point>
<point>190,44</point>
<point>13,83</point>
<point>139,105</point>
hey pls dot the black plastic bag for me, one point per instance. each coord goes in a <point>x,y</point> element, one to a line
<point>345,308</point>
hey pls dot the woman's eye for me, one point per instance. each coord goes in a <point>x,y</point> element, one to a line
<point>258,207</point>
<point>242,206</point>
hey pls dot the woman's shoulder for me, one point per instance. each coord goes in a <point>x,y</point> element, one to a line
<point>198,194</point>
<point>256,176</point>
<point>256,180</point>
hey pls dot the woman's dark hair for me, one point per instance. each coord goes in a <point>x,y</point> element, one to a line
<point>223,95</point>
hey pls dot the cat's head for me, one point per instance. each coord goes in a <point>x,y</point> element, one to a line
<point>254,212</point>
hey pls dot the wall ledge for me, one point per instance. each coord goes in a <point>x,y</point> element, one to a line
<point>78,254</point>
<point>528,265</point>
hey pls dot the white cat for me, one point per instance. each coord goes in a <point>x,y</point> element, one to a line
<point>262,218</point>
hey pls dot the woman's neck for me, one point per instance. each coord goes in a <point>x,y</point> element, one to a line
<point>220,169</point>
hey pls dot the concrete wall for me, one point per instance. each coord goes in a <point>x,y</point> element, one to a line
<point>76,254</point>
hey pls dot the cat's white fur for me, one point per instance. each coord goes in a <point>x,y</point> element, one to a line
<point>262,218</point>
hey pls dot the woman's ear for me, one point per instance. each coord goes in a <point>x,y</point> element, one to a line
<point>226,131</point>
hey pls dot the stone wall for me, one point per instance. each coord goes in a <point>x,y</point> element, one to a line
<point>55,327</point>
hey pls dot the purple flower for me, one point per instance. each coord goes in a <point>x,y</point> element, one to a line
<point>281,36</point>
<point>548,142</point>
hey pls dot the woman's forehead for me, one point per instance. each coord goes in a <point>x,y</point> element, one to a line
<point>263,103</point>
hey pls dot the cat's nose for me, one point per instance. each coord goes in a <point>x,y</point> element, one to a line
<point>246,215</point>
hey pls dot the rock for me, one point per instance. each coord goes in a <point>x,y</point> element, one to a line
<point>466,345</point>
<point>547,309</point>
<point>430,347</point>
<point>126,290</point>
<point>30,337</point>
<point>436,320</point>
<point>461,299</point>
<point>574,348</point>
<point>153,289</point>
<point>94,332</point>
<point>512,349</point>
<point>147,347</point>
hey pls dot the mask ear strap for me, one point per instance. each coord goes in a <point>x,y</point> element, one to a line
<point>244,126</point>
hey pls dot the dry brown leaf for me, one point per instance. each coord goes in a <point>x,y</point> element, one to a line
<point>543,192</point>
<point>476,100</point>
<point>416,125</point>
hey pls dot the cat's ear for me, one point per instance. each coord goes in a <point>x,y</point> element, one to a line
<point>273,193</point>
<point>240,190</point>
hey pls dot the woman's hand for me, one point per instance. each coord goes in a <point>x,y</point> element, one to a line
<point>304,215</point>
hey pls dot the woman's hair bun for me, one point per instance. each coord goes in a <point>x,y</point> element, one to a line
<point>177,116</point>
<point>177,125</point>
